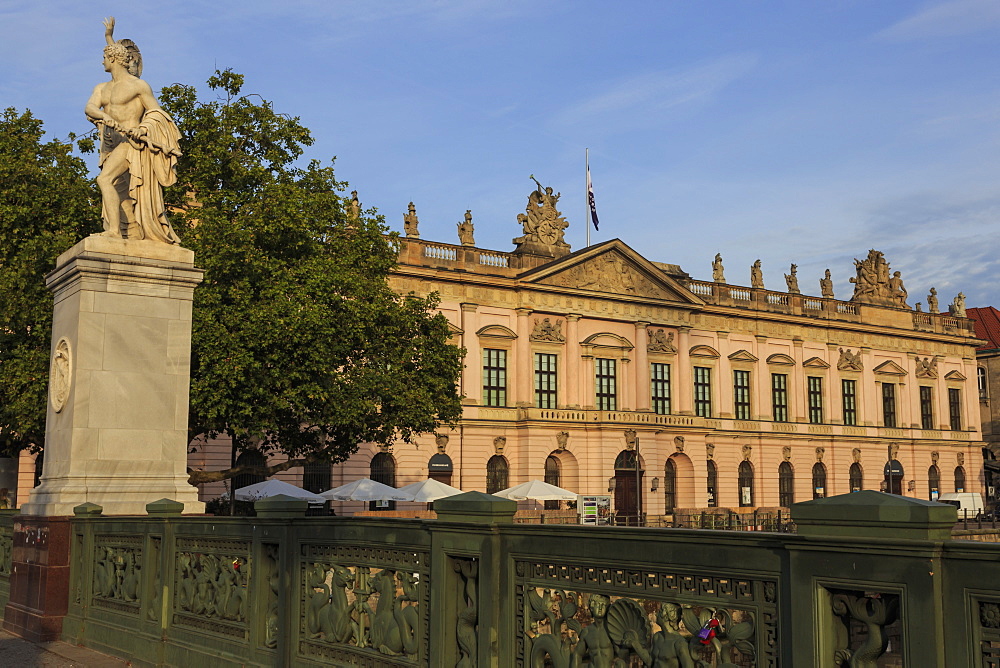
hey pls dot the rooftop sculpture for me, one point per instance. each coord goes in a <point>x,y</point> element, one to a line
<point>543,225</point>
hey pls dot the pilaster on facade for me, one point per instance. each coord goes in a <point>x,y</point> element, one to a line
<point>685,379</point>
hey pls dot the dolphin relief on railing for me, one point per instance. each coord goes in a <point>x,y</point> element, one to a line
<point>565,629</point>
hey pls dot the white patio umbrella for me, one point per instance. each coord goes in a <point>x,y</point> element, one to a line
<point>537,490</point>
<point>429,490</point>
<point>365,489</point>
<point>262,490</point>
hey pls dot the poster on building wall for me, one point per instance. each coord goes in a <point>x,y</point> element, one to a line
<point>594,509</point>
<point>745,496</point>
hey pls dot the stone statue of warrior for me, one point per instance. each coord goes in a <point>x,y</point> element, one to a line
<point>139,147</point>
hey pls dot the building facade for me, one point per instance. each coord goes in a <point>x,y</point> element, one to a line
<point>987,323</point>
<point>607,373</point>
<point>730,396</point>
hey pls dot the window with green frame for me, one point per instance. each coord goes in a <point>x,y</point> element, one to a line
<point>741,394</point>
<point>779,396</point>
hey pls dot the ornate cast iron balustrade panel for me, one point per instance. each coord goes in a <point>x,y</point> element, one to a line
<point>117,573</point>
<point>643,617</point>
<point>868,629</point>
<point>365,606</point>
<point>6,550</point>
<point>988,611</point>
<point>212,586</point>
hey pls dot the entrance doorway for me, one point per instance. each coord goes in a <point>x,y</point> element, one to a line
<point>628,488</point>
<point>893,472</point>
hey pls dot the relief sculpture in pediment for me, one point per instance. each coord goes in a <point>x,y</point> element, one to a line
<point>608,273</point>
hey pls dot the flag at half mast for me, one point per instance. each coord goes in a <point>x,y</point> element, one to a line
<point>590,199</point>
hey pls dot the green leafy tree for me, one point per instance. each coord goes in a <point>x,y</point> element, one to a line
<point>299,345</point>
<point>47,204</point>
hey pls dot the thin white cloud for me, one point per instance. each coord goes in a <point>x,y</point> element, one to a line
<point>634,100</point>
<point>947,19</point>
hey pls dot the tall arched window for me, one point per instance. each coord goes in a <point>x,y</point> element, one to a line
<point>669,486</point>
<point>746,484</point>
<point>959,479</point>
<point>249,458</point>
<point>713,484</point>
<point>786,485</point>
<point>383,470</point>
<point>497,471</point>
<point>934,482</point>
<point>819,480</point>
<point>552,477</point>
<point>316,477</point>
<point>856,477</point>
<point>894,477</point>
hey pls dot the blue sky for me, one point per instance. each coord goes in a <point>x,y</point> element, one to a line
<point>803,132</point>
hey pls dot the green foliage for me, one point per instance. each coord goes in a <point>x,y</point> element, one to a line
<point>299,345</point>
<point>47,204</point>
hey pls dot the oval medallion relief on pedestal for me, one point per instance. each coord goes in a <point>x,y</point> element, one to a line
<point>61,375</point>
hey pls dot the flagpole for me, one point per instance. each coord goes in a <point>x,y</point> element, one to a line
<point>586,195</point>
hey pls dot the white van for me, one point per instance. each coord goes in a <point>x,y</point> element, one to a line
<point>969,504</point>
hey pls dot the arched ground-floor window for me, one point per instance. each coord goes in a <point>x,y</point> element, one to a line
<point>819,480</point>
<point>893,482</point>
<point>933,482</point>
<point>249,458</point>
<point>713,484</point>
<point>669,486</point>
<point>316,477</point>
<point>746,484</point>
<point>856,477</point>
<point>786,484</point>
<point>552,477</point>
<point>497,474</point>
<point>383,470</point>
<point>959,479</point>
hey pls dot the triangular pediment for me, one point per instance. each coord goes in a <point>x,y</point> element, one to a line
<point>780,358</point>
<point>890,368</point>
<point>816,363</point>
<point>954,375</point>
<point>611,268</point>
<point>742,356</point>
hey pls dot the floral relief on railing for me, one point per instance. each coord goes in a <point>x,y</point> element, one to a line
<point>617,617</point>
<point>117,572</point>
<point>988,612</point>
<point>366,605</point>
<point>211,586</point>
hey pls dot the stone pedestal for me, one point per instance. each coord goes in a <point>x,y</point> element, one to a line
<point>39,582</point>
<point>116,429</point>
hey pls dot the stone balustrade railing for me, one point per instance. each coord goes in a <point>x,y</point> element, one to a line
<point>867,578</point>
<point>428,253</point>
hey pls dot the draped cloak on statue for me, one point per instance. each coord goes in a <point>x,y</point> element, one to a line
<point>152,161</point>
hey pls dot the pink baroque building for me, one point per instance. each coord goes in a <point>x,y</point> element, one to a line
<point>730,396</point>
<point>607,373</point>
